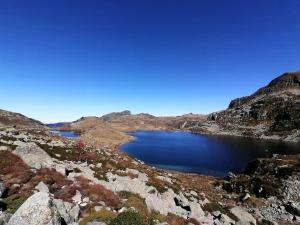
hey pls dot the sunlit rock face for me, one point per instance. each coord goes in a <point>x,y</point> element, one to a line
<point>271,112</point>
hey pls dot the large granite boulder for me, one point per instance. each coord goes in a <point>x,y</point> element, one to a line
<point>38,209</point>
<point>243,216</point>
<point>33,156</point>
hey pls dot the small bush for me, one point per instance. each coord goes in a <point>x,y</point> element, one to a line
<point>175,220</point>
<point>213,206</point>
<point>160,185</point>
<point>66,193</point>
<point>128,218</point>
<point>14,202</point>
<point>97,192</point>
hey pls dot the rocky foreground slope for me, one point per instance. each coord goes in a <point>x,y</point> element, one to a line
<point>271,112</point>
<point>45,179</point>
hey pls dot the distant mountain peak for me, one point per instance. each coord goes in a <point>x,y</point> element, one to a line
<point>290,79</point>
<point>115,115</point>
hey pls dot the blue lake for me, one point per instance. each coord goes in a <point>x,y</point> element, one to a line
<point>67,134</point>
<point>210,155</point>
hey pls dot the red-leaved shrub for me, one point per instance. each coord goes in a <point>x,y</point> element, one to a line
<point>97,192</point>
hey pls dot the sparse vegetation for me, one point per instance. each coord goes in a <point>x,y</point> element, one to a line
<point>97,192</point>
<point>14,202</point>
<point>138,203</point>
<point>160,185</point>
<point>128,218</point>
<point>65,153</point>
<point>213,206</point>
<point>103,215</point>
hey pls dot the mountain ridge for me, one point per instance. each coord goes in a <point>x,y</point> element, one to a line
<point>272,112</point>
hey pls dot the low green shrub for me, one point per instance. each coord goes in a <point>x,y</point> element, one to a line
<point>128,218</point>
<point>13,203</point>
<point>214,206</point>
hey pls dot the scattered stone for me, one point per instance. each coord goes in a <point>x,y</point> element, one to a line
<point>246,197</point>
<point>77,198</point>
<point>41,187</point>
<point>225,220</point>
<point>95,223</point>
<point>86,200</point>
<point>268,222</point>
<point>68,211</point>
<point>167,179</point>
<point>4,218</point>
<point>293,208</point>
<point>98,208</point>
<point>124,209</point>
<point>242,215</point>
<point>2,189</point>
<point>3,148</point>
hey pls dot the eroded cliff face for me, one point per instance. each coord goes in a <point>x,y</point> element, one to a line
<point>271,112</point>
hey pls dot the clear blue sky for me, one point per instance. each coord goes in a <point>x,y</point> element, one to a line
<point>60,60</point>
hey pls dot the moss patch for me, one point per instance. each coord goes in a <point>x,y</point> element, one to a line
<point>13,203</point>
<point>128,218</point>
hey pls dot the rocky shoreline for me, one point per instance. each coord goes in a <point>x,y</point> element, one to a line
<point>71,184</point>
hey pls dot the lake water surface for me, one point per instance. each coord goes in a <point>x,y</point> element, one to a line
<point>67,134</point>
<point>210,155</point>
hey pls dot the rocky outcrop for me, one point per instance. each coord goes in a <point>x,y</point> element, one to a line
<point>271,112</point>
<point>68,212</point>
<point>38,209</point>
<point>116,115</point>
<point>42,209</point>
<point>243,216</point>
<point>111,183</point>
<point>33,155</point>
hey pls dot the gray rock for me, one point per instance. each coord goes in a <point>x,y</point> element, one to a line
<point>2,189</point>
<point>98,208</point>
<point>246,197</point>
<point>243,216</point>
<point>225,220</point>
<point>268,222</point>
<point>3,148</point>
<point>77,198</point>
<point>41,187</point>
<point>243,223</point>
<point>67,211</point>
<point>4,218</point>
<point>37,210</point>
<point>95,223</point>
<point>293,208</point>
<point>33,156</point>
